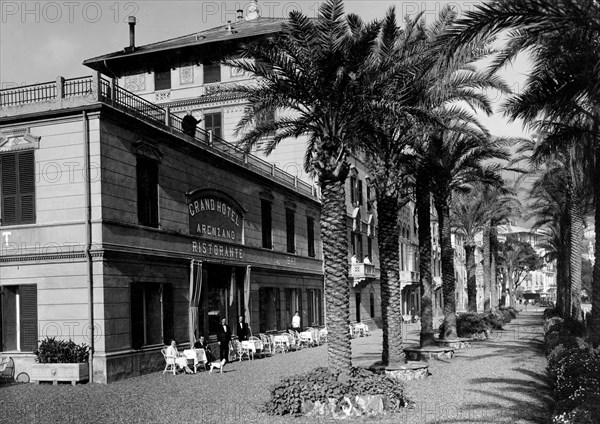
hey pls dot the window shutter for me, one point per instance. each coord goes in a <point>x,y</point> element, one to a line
<point>26,164</point>
<point>167,310</point>
<point>9,314</point>
<point>29,317</point>
<point>8,168</point>
<point>137,316</point>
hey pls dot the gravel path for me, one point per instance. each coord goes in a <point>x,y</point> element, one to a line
<point>497,381</point>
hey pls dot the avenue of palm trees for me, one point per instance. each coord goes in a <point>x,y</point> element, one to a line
<point>406,96</point>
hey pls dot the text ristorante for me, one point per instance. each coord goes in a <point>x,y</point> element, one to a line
<point>213,249</point>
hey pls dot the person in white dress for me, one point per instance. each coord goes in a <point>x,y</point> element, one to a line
<point>180,359</point>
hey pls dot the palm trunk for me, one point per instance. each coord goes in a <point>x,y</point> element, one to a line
<point>471,277</point>
<point>577,228</point>
<point>423,201</point>
<point>563,302</point>
<point>337,290</point>
<point>594,325</point>
<point>487,277</point>
<point>448,278</point>
<point>493,274</point>
<point>391,300</point>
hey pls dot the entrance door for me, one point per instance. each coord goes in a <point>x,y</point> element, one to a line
<point>269,308</point>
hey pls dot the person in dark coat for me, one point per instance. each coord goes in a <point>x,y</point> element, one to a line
<point>188,124</point>
<point>224,337</point>
<point>243,331</point>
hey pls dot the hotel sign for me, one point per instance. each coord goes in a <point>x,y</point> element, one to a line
<point>215,215</point>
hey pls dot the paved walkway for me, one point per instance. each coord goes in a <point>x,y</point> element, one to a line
<point>501,380</point>
<point>496,381</point>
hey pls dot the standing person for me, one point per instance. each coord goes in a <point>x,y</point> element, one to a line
<point>296,322</point>
<point>243,331</point>
<point>224,337</point>
<point>189,123</point>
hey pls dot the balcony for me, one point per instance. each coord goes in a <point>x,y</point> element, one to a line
<point>80,92</point>
<point>361,271</point>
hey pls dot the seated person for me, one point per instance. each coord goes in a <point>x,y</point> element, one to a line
<point>201,344</point>
<point>180,359</point>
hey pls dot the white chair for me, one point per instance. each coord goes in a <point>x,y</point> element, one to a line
<point>242,351</point>
<point>7,369</point>
<point>281,342</point>
<point>258,345</point>
<point>171,365</point>
<point>323,335</point>
<point>266,343</point>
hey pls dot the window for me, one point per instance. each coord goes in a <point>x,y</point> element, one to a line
<point>17,180</point>
<point>151,314</point>
<point>369,205</point>
<point>212,73</point>
<point>162,80</point>
<point>372,302</point>
<point>290,227</point>
<point>18,313</point>
<point>212,122</point>
<point>357,302</point>
<point>370,248</point>
<point>147,186</point>
<point>359,192</point>
<point>310,228</point>
<point>357,248</point>
<point>353,190</point>
<point>315,309</point>
<point>267,241</point>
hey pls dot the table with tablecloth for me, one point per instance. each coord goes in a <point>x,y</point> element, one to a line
<point>253,346</point>
<point>196,355</point>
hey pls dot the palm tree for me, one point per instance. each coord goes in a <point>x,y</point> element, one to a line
<point>565,171</point>
<point>567,80</point>
<point>456,162</point>
<point>441,87</point>
<point>313,75</point>
<point>499,205</point>
<point>383,129</point>
<point>551,214</point>
<point>468,215</point>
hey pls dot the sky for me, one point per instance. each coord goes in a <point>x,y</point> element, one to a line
<point>40,40</point>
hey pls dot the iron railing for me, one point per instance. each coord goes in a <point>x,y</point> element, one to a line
<point>99,89</point>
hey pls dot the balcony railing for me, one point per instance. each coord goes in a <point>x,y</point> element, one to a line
<point>97,89</point>
<point>360,271</point>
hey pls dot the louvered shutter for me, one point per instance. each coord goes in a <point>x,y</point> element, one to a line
<point>137,316</point>
<point>9,317</point>
<point>167,310</point>
<point>8,172</point>
<point>26,165</point>
<point>29,318</point>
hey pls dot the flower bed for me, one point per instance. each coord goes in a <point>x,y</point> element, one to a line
<point>326,392</point>
<point>574,367</point>
<point>479,326</point>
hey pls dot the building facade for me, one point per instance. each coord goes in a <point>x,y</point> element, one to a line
<point>121,232</point>
<point>185,75</point>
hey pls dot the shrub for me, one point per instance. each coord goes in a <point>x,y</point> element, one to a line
<point>53,351</point>
<point>322,384</point>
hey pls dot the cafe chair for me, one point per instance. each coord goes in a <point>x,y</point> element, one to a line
<point>170,365</point>
<point>242,351</point>
<point>323,335</point>
<point>7,369</point>
<point>267,344</point>
<point>279,342</point>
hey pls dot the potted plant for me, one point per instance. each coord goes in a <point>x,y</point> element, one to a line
<point>60,360</point>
